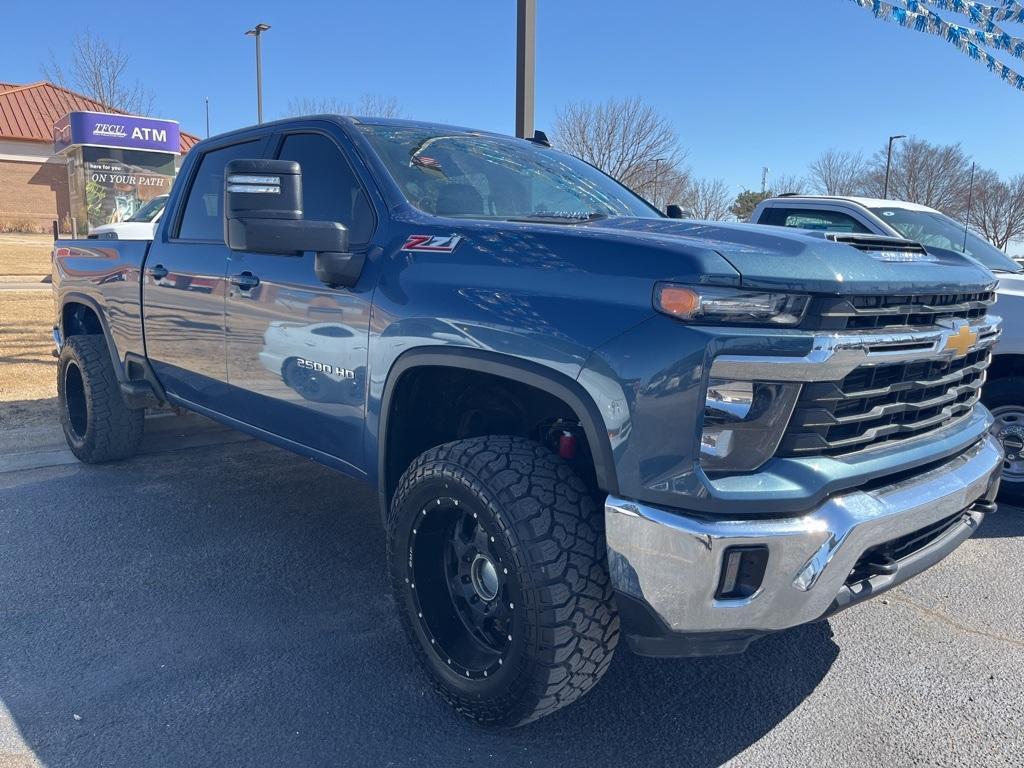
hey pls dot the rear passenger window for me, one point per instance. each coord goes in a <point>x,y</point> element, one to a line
<point>330,190</point>
<point>809,218</point>
<point>204,209</point>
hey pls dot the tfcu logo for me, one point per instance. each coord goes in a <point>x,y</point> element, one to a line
<point>112,130</point>
<point>117,131</point>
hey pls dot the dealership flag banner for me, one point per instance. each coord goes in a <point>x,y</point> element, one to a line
<point>920,15</point>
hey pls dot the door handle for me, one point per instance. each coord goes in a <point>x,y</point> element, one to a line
<point>246,281</point>
<point>159,272</point>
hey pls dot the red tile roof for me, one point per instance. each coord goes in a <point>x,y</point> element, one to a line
<point>28,112</point>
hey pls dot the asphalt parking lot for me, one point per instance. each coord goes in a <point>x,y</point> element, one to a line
<point>225,603</point>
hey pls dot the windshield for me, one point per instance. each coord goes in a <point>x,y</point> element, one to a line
<point>934,230</point>
<point>473,176</point>
<point>150,210</point>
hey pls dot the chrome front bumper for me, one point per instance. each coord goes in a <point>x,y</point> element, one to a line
<point>671,564</point>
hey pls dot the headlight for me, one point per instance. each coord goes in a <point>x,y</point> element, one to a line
<point>709,305</point>
<point>107,236</point>
<point>743,423</point>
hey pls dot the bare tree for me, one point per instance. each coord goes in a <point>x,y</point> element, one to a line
<point>838,173</point>
<point>997,208</point>
<point>626,139</point>
<point>100,71</point>
<point>370,105</point>
<point>930,174</point>
<point>670,185</point>
<point>375,105</point>
<point>787,184</point>
<point>708,200</point>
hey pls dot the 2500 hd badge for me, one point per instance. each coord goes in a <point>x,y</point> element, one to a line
<point>330,370</point>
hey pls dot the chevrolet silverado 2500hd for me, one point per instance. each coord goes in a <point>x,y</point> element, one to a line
<point>939,234</point>
<point>582,418</point>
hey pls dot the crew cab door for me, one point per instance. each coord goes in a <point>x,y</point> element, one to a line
<point>184,283</point>
<point>296,348</point>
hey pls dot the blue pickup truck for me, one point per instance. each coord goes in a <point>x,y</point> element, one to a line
<point>584,420</point>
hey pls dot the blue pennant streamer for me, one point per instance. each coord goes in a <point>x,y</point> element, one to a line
<point>916,15</point>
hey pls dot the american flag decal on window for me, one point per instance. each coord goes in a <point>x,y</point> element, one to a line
<point>432,243</point>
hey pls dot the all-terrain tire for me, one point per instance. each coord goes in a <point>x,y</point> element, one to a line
<point>1005,398</point>
<point>97,423</point>
<point>548,538</point>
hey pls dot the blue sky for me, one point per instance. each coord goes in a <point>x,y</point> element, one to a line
<point>746,83</point>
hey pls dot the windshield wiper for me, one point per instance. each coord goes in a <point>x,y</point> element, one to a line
<point>560,218</point>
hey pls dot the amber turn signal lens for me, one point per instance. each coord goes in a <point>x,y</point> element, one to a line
<point>681,302</point>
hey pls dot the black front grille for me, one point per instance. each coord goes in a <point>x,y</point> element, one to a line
<point>891,311</point>
<point>881,558</point>
<point>878,404</point>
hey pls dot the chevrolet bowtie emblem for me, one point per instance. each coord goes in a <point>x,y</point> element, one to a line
<point>961,341</point>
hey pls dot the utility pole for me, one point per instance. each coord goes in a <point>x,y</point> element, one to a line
<point>257,32</point>
<point>526,34</point>
<point>764,180</point>
<point>888,164</point>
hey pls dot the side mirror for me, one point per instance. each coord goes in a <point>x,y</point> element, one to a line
<point>674,211</point>
<point>263,214</point>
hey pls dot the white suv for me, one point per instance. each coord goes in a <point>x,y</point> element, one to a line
<point>1004,390</point>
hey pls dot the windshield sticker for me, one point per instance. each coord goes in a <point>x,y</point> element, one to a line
<point>432,243</point>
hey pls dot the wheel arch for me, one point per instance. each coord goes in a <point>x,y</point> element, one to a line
<point>1004,366</point>
<point>80,314</point>
<point>515,370</point>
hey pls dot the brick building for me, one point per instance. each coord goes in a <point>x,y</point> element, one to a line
<point>33,180</point>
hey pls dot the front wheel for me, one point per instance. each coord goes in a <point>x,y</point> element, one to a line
<point>1005,398</point>
<point>497,558</point>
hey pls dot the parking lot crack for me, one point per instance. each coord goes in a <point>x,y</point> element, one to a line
<point>945,619</point>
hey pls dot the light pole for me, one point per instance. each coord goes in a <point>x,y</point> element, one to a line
<point>888,164</point>
<point>526,33</point>
<point>256,32</point>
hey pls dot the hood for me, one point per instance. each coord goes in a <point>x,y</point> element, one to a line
<point>776,258</point>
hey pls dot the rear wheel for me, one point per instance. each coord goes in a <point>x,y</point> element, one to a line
<point>1005,398</point>
<point>97,424</point>
<point>497,557</point>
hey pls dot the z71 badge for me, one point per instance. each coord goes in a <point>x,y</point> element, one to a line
<point>432,243</point>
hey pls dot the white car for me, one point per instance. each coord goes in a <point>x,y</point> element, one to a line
<point>1004,388</point>
<point>296,353</point>
<point>139,226</point>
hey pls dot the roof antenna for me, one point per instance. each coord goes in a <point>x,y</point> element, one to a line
<point>539,137</point>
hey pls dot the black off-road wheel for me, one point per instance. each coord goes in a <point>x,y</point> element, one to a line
<point>97,424</point>
<point>1005,398</point>
<point>498,564</point>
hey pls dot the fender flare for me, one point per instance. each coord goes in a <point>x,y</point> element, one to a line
<point>527,372</point>
<point>74,297</point>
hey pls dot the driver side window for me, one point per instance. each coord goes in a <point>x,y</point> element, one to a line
<point>330,189</point>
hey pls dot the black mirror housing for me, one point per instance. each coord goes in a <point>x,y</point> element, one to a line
<point>674,211</point>
<point>263,189</point>
<point>263,214</point>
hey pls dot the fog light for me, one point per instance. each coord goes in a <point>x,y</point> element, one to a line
<point>742,572</point>
<point>743,422</point>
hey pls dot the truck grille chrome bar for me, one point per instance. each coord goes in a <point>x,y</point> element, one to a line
<point>876,404</point>
<point>869,389</point>
<point>889,311</point>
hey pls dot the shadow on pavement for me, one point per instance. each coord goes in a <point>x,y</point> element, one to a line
<point>229,606</point>
<point>1007,522</point>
